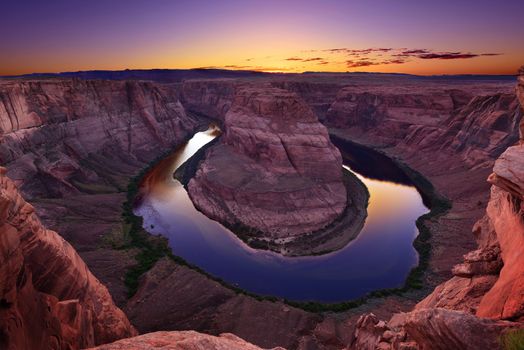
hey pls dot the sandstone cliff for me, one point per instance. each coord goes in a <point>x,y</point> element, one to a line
<point>479,124</point>
<point>48,297</point>
<point>117,153</point>
<point>275,169</point>
<point>60,137</point>
<point>484,299</point>
<point>72,147</point>
<point>490,280</point>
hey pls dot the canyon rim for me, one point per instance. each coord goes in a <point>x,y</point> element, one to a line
<point>287,175</point>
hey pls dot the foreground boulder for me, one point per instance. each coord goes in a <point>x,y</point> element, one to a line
<point>48,297</point>
<point>274,171</point>
<point>187,340</point>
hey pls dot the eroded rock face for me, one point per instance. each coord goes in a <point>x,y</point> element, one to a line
<point>274,170</point>
<point>430,329</point>
<point>192,301</point>
<point>506,299</point>
<point>211,98</point>
<point>520,95</point>
<point>65,137</point>
<point>186,340</point>
<point>479,125</point>
<point>48,297</point>
<point>470,310</point>
<point>441,329</point>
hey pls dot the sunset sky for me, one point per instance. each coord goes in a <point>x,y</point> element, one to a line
<point>407,36</point>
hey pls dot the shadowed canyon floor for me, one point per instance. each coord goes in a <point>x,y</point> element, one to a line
<point>72,146</point>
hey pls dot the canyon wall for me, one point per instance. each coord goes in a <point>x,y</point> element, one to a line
<point>274,170</point>
<point>483,300</point>
<point>48,297</point>
<point>478,124</point>
<point>72,147</point>
<point>60,136</point>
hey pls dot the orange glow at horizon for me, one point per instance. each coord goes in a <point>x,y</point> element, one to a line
<point>271,35</point>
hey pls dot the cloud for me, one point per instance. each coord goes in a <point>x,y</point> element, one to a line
<point>343,49</point>
<point>313,59</point>
<point>415,52</point>
<point>447,55</point>
<point>357,52</point>
<point>234,66</point>
<point>367,63</point>
<point>426,54</point>
<point>353,64</point>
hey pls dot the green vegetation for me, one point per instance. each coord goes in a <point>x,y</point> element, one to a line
<point>513,340</point>
<point>153,248</point>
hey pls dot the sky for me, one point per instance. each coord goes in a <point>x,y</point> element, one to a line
<point>406,36</point>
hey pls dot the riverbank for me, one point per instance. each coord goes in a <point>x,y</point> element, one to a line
<point>153,253</point>
<point>326,240</point>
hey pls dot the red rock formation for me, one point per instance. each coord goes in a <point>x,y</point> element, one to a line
<point>210,98</point>
<point>275,169</point>
<point>430,329</point>
<point>79,143</point>
<point>57,134</point>
<point>48,297</point>
<point>487,287</point>
<point>193,301</point>
<point>479,125</point>
<point>506,299</point>
<point>187,340</point>
<point>520,95</point>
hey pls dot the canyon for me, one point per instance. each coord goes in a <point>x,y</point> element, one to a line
<point>275,174</point>
<point>70,147</point>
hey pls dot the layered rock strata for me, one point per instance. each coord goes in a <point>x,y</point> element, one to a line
<point>67,137</point>
<point>483,301</point>
<point>275,169</point>
<point>48,297</point>
<point>72,147</point>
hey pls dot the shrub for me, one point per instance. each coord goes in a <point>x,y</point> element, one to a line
<point>513,340</point>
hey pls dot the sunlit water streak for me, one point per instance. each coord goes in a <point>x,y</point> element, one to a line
<point>380,257</point>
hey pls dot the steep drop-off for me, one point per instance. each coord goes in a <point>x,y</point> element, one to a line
<point>117,153</point>
<point>274,170</point>
<point>48,297</point>
<point>72,147</point>
<point>57,135</point>
<point>483,301</point>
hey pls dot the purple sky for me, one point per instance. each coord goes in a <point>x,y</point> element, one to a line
<point>450,36</point>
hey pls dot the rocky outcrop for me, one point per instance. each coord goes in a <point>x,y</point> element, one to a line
<point>193,301</point>
<point>72,146</point>
<point>484,299</point>
<point>209,98</point>
<point>66,137</point>
<point>430,329</point>
<point>48,297</point>
<point>187,340</point>
<point>506,300</point>
<point>479,125</point>
<point>275,169</point>
<point>520,87</point>
<point>491,279</point>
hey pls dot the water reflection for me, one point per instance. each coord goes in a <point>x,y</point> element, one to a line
<point>380,257</point>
